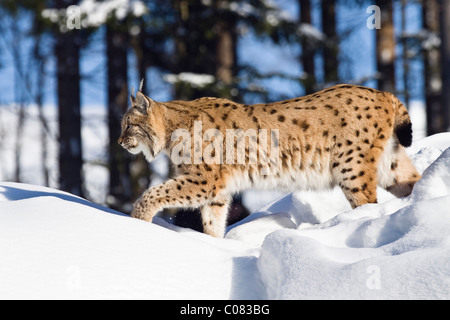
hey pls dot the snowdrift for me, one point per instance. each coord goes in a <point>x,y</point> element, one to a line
<point>306,245</point>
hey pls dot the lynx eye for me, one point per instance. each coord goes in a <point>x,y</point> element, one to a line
<point>128,127</point>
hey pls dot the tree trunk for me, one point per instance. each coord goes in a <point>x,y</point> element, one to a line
<point>140,171</point>
<point>19,96</point>
<point>432,70</point>
<point>405,60</point>
<point>445,62</point>
<point>209,56</point>
<point>331,49</point>
<point>307,57</point>
<point>67,52</point>
<point>385,47</point>
<point>44,130</point>
<point>225,52</point>
<point>119,161</point>
<point>225,72</point>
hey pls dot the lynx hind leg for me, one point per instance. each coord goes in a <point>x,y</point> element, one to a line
<point>399,174</point>
<point>360,186</point>
<point>356,175</point>
<point>214,216</point>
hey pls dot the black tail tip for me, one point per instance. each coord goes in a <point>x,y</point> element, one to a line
<point>404,133</point>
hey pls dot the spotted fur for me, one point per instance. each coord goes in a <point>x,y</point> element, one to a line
<point>346,135</point>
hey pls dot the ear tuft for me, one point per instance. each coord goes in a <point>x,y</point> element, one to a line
<point>132,98</point>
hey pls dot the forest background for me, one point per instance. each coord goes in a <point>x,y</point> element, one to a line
<point>66,65</point>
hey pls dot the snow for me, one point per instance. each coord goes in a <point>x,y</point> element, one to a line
<point>195,79</point>
<point>305,245</point>
<point>93,13</point>
<point>241,8</point>
<point>55,245</point>
<point>309,31</point>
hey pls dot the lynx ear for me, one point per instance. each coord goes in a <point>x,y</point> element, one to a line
<point>142,102</point>
<point>132,98</point>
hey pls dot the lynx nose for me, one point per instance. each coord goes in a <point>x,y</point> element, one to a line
<point>120,141</point>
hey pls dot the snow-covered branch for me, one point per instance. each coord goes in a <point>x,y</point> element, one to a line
<point>93,13</point>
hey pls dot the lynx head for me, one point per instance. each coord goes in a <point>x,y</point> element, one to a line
<point>138,127</point>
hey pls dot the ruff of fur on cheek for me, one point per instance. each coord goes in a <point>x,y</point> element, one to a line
<point>141,147</point>
<point>147,152</point>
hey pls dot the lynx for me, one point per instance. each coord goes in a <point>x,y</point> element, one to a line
<point>347,136</point>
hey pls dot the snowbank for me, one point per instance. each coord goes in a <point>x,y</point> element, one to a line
<point>404,255</point>
<point>399,249</point>
<point>55,245</point>
<point>305,245</point>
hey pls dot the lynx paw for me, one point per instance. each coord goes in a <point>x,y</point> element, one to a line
<point>141,212</point>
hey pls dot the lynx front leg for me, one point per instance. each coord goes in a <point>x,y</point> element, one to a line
<point>182,191</point>
<point>144,208</point>
<point>214,216</point>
